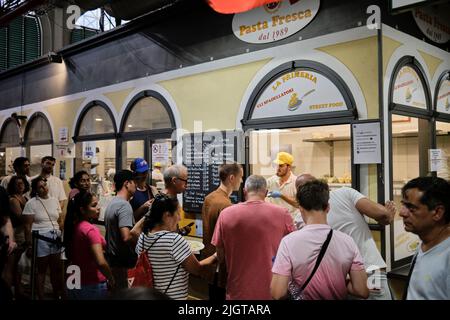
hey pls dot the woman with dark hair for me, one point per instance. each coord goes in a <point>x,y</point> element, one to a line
<point>169,253</point>
<point>84,248</point>
<point>41,213</point>
<point>81,181</point>
<point>18,187</point>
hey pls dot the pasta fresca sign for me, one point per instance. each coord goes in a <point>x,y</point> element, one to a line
<point>274,21</point>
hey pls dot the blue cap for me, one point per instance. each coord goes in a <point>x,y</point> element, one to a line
<point>139,165</point>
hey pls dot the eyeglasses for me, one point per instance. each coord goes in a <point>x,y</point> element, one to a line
<point>185,180</point>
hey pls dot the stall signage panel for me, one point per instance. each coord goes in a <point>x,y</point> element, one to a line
<point>366,143</point>
<point>443,103</point>
<point>160,152</point>
<point>433,21</point>
<point>299,92</point>
<point>203,153</point>
<point>274,21</point>
<point>408,89</point>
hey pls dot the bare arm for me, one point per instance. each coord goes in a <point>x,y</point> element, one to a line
<point>291,201</point>
<point>9,232</point>
<point>28,223</point>
<point>14,205</point>
<point>100,260</point>
<point>279,286</point>
<point>357,286</point>
<point>137,230</point>
<point>382,214</point>
<point>192,265</point>
<point>142,210</point>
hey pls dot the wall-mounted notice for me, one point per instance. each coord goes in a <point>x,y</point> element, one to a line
<point>438,159</point>
<point>203,153</point>
<point>160,152</point>
<point>366,143</point>
<point>63,134</point>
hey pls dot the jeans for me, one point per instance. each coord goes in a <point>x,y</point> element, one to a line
<point>97,291</point>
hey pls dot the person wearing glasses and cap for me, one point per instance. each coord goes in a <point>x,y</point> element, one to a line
<point>281,186</point>
<point>145,193</point>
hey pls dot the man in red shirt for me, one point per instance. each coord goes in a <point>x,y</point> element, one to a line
<point>246,237</point>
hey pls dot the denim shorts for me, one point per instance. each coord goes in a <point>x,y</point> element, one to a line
<point>45,248</point>
<point>97,291</point>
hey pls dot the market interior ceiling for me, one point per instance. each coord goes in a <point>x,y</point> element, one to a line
<point>121,9</point>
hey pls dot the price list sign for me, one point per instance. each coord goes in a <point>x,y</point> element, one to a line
<point>203,153</point>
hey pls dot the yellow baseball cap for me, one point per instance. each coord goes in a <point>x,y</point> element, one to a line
<point>284,158</point>
<point>157,164</point>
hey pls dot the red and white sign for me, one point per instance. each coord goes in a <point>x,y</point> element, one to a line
<point>274,21</point>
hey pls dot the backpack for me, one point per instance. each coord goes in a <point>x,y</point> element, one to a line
<point>142,274</point>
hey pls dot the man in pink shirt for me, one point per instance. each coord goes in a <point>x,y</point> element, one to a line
<point>247,236</point>
<point>298,253</point>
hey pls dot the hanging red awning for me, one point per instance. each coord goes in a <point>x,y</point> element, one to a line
<point>236,6</point>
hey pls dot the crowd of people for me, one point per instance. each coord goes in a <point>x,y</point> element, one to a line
<point>291,237</point>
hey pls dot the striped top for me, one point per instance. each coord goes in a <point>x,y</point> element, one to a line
<point>165,255</point>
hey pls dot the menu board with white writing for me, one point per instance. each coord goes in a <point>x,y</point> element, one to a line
<point>203,153</point>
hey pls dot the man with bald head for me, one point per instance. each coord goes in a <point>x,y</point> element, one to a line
<point>347,210</point>
<point>246,237</point>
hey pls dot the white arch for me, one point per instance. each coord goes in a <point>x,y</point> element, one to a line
<point>443,67</point>
<point>90,98</point>
<point>291,54</point>
<point>159,89</point>
<point>49,119</point>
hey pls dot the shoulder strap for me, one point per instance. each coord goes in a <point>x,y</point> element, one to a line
<point>413,263</point>
<point>45,208</point>
<point>319,258</point>
<point>160,236</point>
<point>176,271</point>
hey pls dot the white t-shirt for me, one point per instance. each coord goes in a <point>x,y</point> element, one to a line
<point>287,189</point>
<point>430,279</point>
<point>42,222</point>
<point>55,188</point>
<point>344,216</point>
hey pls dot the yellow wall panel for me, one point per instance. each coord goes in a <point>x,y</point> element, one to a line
<point>212,97</point>
<point>361,58</point>
<point>63,115</point>
<point>431,61</point>
<point>118,98</point>
<point>389,46</point>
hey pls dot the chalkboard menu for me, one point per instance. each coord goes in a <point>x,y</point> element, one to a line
<point>203,153</point>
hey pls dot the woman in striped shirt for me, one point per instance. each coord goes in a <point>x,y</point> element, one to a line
<point>169,253</point>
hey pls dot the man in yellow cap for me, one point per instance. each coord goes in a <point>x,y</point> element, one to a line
<point>281,186</point>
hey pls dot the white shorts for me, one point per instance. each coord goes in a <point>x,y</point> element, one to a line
<point>45,248</point>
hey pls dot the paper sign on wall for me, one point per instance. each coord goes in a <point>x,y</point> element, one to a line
<point>366,143</point>
<point>438,159</point>
<point>63,134</point>
<point>160,152</point>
